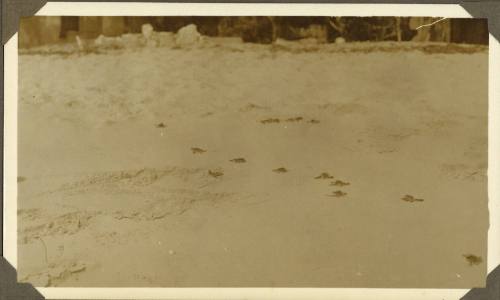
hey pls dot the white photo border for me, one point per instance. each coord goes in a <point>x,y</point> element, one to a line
<point>218,9</point>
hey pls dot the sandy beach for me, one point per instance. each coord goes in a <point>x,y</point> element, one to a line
<point>250,165</point>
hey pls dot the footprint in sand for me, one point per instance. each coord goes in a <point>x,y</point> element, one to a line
<point>339,183</point>
<point>55,274</point>
<point>410,198</point>
<point>196,150</point>
<point>473,259</point>
<point>239,160</point>
<point>21,179</point>
<point>337,194</point>
<point>66,224</point>
<point>215,174</point>
<point>280,170</point>
<point>324,175</point>
<point>313,121</point>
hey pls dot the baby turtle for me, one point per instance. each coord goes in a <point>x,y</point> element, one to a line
<point>296,119</point>
<point>314,121</point>
<point>161,125</point>
<point>271,120</point>
<point>324,175</point>
<point>196,150</point>
<point>410,198</point>
<point>280,170</point>
<point>239,160</point>
<point>339,183</point>
<point>21,179</point>
<point>473,259</point>
<point>337,194</point>
<point>215,174</point>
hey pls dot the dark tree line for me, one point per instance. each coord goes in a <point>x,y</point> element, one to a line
<point>262,29</point>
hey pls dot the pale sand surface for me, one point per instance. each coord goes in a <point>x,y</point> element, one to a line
<point>118,201</point>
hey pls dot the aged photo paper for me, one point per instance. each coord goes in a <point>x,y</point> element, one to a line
<point>252,150</point>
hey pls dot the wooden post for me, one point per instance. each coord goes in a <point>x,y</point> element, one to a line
<point>39,30</point>
<point>90,27</point>
<point>113,26</point>
<point>398,28</point>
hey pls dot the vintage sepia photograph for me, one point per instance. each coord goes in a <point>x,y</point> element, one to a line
<point>252,151</point>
